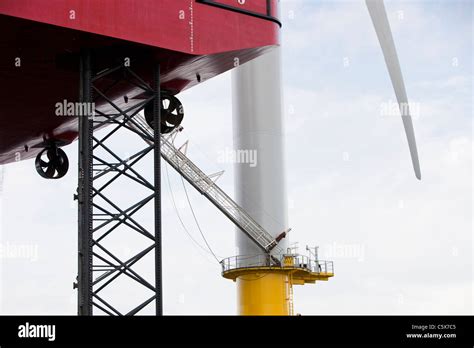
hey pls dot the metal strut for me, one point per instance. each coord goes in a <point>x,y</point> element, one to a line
<point>108,279</point>
<point>85,193</point>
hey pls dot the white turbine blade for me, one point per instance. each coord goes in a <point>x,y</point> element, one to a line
<point>384,34</point>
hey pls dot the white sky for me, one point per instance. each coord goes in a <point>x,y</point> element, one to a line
<point>400,246</point>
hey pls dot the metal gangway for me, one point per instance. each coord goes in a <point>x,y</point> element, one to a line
<point>208,187</point>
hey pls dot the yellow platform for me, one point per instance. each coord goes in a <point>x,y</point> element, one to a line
<point>268,290</point>
<point>300,275</point>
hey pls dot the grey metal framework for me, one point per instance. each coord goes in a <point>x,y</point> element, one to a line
<point>100,218</point>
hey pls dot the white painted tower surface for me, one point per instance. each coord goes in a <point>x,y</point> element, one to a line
<point>260,187</point>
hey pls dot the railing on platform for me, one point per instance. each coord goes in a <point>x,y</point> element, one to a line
<point>286,260</point>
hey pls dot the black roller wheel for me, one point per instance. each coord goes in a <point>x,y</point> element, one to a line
<point>172,113</point>
<point>52,163</point>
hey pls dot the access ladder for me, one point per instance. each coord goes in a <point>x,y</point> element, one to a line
<point>207,187</point>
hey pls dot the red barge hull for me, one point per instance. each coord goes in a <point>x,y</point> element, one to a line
<point>192,40</point>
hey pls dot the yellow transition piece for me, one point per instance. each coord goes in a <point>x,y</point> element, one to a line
<point>269,290</point>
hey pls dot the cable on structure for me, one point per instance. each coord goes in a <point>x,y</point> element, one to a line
<point>197,223</point>
<point>179,216</point>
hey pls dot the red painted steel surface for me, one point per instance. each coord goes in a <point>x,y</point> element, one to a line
<point>186,37</point>
<point>179,25</point>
